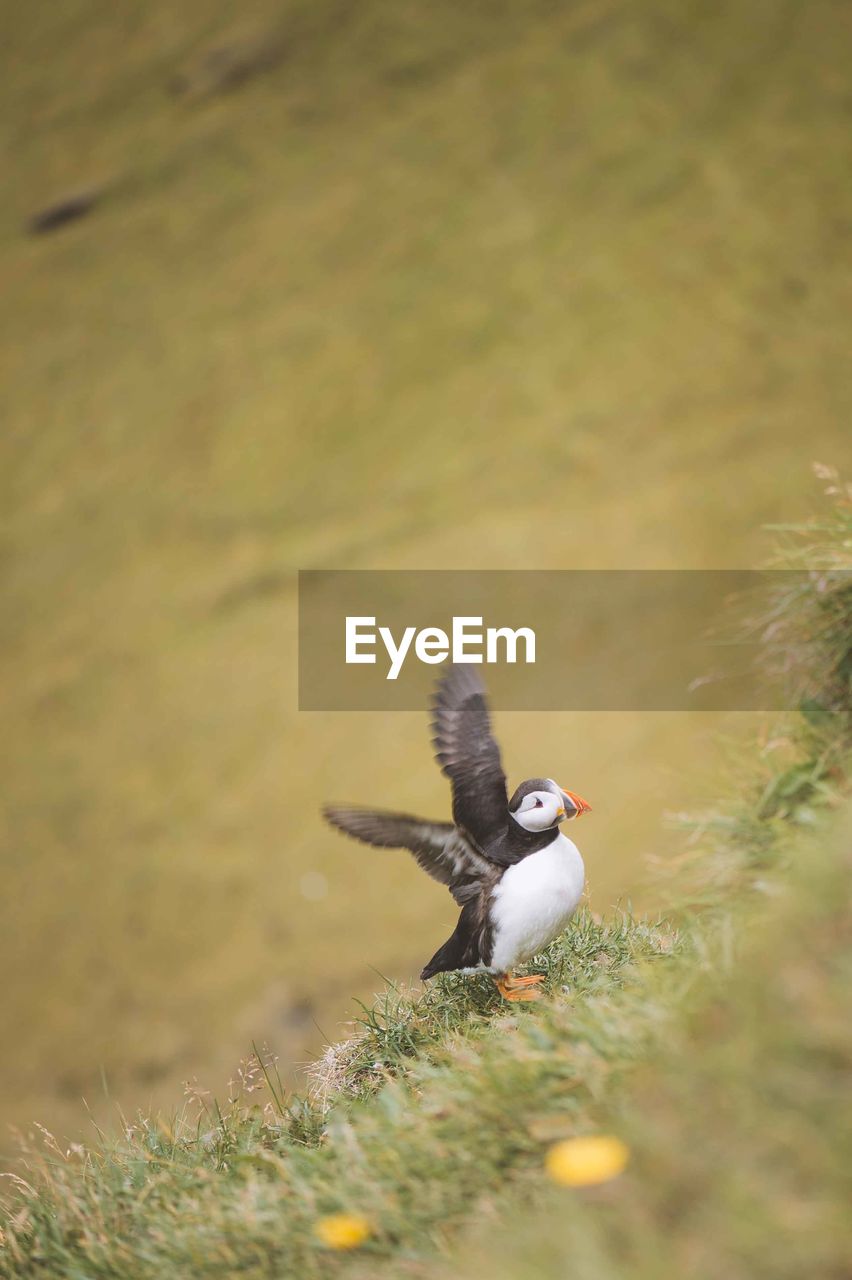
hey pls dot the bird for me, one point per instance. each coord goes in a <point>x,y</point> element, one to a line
<point>516,876</point>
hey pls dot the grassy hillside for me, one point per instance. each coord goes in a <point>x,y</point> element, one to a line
<point>716,1045</point>
<point>494,285</point>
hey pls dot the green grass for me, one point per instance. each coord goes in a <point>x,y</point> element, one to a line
<point>717,1043</point>
<point>738,1122</point>
<point>426,1110</point>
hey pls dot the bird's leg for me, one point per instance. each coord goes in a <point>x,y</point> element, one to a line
<point>515,989</point>
<point>531,980</point>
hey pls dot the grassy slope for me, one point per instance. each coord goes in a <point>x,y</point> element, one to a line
<point>739,1122</point>
<point>721,1054</point>
<point>443,259</point>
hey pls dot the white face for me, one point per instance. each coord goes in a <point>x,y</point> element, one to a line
<point>539,810</point>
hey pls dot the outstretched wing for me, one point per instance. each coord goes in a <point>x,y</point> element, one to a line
<point>468,754</point>
<point>439,847</point>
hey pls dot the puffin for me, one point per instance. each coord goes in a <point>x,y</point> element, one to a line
<point>516,876</point>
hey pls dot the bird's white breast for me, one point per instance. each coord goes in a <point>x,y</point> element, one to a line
<point>534,901</point>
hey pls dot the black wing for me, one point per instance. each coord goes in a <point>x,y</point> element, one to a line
<point>439,847</point>
<point>467,753</point>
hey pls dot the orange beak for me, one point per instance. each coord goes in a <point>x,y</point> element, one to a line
<point>582,806</point>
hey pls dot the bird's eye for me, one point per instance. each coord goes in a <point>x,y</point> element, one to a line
<point>538,803</point>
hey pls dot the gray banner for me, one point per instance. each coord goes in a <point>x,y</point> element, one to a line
<point>614,640</point>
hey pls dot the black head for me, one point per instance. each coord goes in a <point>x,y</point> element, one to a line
<point>540,803</point>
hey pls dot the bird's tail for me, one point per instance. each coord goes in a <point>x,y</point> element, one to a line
<point>445,959</point>
<point>462,950</point>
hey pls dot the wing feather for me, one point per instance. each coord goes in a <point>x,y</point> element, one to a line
<point>439,847</point>
<point>468,754</point>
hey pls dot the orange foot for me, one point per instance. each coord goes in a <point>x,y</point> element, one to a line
<point>519,989</point>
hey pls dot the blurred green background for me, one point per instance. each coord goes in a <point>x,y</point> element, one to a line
<point>379,285</point>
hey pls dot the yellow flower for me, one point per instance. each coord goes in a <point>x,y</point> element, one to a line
<point>342,1230</point>
<point>585,1162</point>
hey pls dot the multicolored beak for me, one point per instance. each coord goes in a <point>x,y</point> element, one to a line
<point>577,803</point>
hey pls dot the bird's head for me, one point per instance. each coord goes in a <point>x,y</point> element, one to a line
<point>540,803</point>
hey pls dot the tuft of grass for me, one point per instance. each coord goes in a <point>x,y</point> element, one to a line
<point>595,954</point>
<point>805,629</point>
<point>798,770</point>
